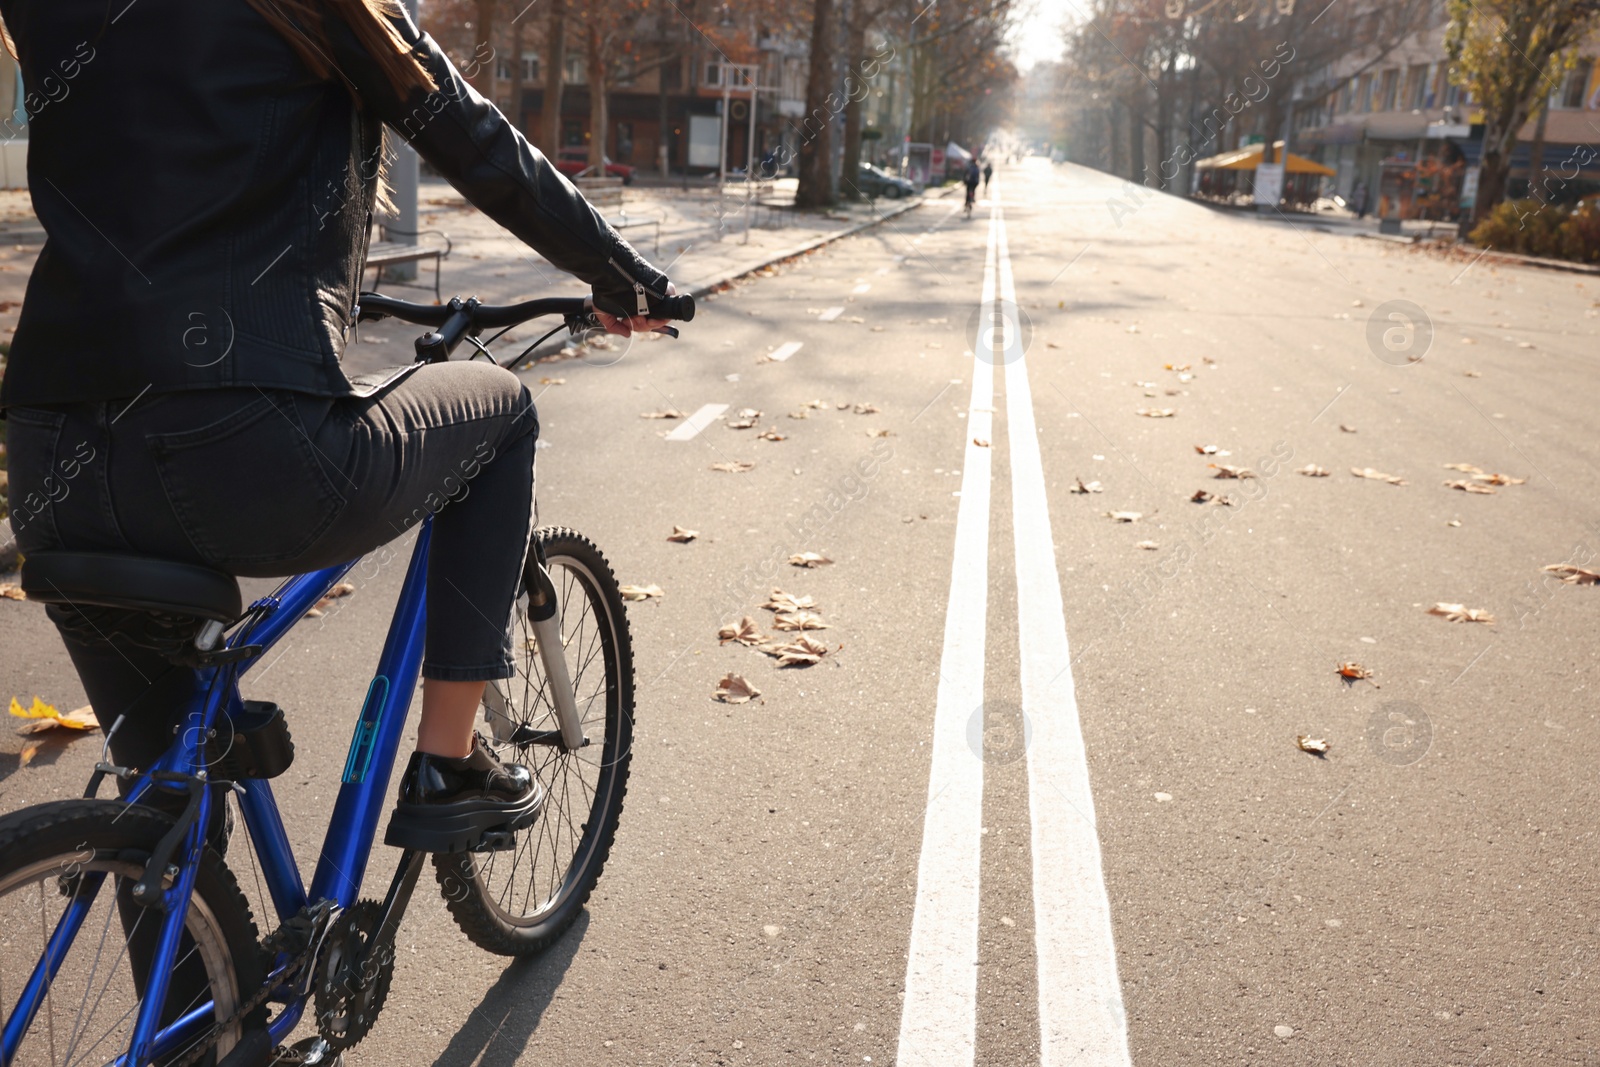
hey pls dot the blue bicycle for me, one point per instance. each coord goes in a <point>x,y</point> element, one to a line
<point>125,937</point>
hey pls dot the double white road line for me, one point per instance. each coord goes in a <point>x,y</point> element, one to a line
<point>1080,998</point>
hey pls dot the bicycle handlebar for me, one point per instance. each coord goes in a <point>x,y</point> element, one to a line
<point>491,316</point>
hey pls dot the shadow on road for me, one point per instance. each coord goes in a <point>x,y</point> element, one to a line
<point>502,1022</point>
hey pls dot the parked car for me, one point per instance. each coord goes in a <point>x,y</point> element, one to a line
<point>875,182</point>
<point>574,161</point>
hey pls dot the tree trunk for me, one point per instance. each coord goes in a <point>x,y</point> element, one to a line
<point>816,146</point>
<point>516,77</point>
<point>663,126</point>
<point>1136,147</point>
<point>1495,174</point>
<point>855,50</point>
<point>599,121</point>
<point>555,62</point>
<point>485,34</point>
<point>1536,154</point>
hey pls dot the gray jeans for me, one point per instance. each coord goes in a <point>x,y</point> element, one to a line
<point>264,483</point>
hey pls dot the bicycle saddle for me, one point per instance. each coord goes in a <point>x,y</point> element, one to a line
<point>135,583</point>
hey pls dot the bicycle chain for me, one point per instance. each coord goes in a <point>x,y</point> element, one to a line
<point>320,921</point>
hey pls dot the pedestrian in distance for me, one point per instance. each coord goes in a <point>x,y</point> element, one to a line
<point>1358,200</point>
<point>971,179</point>
<point>988,172</point>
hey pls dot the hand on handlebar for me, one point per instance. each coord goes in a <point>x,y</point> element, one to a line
<point>626,327</point>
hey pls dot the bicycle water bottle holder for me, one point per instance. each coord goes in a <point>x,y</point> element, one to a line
<point>252,744</point>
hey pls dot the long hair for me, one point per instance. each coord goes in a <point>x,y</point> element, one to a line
<point>302,24</point>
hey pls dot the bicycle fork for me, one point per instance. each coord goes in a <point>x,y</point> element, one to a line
<point>544,618</point>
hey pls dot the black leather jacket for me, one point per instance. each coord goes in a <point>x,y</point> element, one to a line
<point>203,194</point>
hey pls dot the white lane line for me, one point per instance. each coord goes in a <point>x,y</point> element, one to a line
<point>785,350</point>
<point>939,1019</point>
<point>697,422</point>
<point>864,287</point>
<point>831,314</point>
<point>1081,1017</point>
<point>881,270</point>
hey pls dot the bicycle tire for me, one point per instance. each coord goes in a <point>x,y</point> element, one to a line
<point>55,841</point>
<point>467,879</point>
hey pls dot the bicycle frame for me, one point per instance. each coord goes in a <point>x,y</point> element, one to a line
<point>346,846</point>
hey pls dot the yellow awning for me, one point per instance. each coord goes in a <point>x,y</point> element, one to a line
<point>1250,158</point>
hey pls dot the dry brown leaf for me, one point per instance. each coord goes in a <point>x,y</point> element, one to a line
<point>801,651</point>
<point>1464,468</point>
<point>798,620</point>
<point>1354,672</point>
<point>733,689</point>
<point>1347,428</point>
<point>742,424</point>
<point>747,413</point>
<point>1083,487</point>
<point>817,405</point>
<point>771,435</point>
<point>1148,546</point>
<point>682,535</point>
<point>552,381</point>
<point>980,442</point>
<point>1498,479</point>
<point>1156,413</point>
<point>1207,359</point>
<point>1472,373</point>
<point>744,631</point>
<point>316,610</point>
<point>1573,575</point>
<point>1470,487</point>
<point>878,433</point>
<point>1311,470</point>
<point>1177,366</point>
<point>642,592</point>
<point>1314,745</point>
<point>737,466</point>
<point>666,413</point>
<point>341,589</point>
<point>1124,516</point>
<point>778,600</point>
<point>30,750</point>
<point>803,413</point>
<point>1226,470</point>
<point>41,716</point>
<point>1206,450</point>
<point>866,409</point>
<point>1460,613</point>
<point>808,559</point>
<point>12,592</point>
<point>1200,497</point>
<point>1377,476</point>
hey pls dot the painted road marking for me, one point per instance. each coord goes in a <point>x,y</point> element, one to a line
<point>1081,1016</point>
<point>697,422</point>
<point>939,1019</point>
<point>830,314</point>
<point>864,287</point>
<point>785,350</point>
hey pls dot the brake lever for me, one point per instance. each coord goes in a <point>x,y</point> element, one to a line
<point>670,331</point>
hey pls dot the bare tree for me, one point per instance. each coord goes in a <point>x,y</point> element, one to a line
<point>815,189</point>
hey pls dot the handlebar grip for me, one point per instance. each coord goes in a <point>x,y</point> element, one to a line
<point>678,307</point>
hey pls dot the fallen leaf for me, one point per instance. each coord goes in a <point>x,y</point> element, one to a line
<point>803,413</point>
<point>778,600</point>
<point>682,535</point>
<point>552,381</point>
<point>771,435</point>
<point>817,405</point>
<point>1206,450</point>
<point>808,559</point>
<point>30,750</point>
<point>1148,546</point>
<point>737,466</point>
<point>1378,476</point>
<point>1124,516</point>
<point>798,620</point>
<point>341,589</point>
<point>878,433</point>
<point>1156,413</point>
<point>1207,359</point>
<point>1498,479</point>
<point>854,318</point>
<point>744,631</point>
<point>1470,487</point>
<point>1464,468</point>
<point>667,413</point>
<point>733,689</point>
<point>1347,428</point>
<point>1453,522</point>
<point>1177,366</point>
<point>1082,487</point>
<point>741,424</point>
<point>1311,470</point>
<point>1200,497</point>
<point>1460,613</point>
<point>1225,470</point>
<point>1354,672</point>
<point>866,409</point>
<point>1315,745</point>
<point>44,716</point>
<point>800,652</point>
<point>1471,373</point>
<point>980,442</point>
<point>641,592</point>
<point>747,413</point>
<point>12,592</point>
<point>1573,575</point>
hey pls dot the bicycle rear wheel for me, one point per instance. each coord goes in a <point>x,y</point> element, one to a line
<point>65,852</point>
<point>516,901</point>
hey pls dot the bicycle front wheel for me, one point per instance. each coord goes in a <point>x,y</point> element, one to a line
<point>87,854</point>
<point>516,900</point>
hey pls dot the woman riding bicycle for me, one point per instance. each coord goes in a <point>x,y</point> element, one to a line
<point>207,175</point>
<point>970,177</point>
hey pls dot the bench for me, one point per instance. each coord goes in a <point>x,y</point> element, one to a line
<point>387,253</point>
<point>601,192</point>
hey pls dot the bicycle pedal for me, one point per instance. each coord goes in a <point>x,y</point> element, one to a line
<point>496,841</point>
<point>310,1051</point>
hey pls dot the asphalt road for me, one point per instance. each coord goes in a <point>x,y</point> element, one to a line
<point>1043,802</point>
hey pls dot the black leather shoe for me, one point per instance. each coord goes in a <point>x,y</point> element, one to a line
<point>448,805</point>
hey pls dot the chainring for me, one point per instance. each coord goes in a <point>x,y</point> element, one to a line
<point>352,981</point>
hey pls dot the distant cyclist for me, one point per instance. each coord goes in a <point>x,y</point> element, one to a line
<point>988,172</point>
<point>971,178</point>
